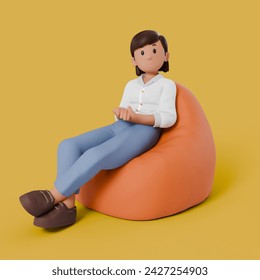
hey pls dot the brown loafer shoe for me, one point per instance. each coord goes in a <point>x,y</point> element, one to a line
<point>60,216</point>
<point>37,203</point>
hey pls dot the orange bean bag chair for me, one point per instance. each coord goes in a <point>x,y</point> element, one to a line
<point>176,174</point>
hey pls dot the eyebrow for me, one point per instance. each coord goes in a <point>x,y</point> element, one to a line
<point>154,44</point>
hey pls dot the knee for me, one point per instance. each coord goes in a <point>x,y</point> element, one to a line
<point>148,135</point>
<point>67,144</point>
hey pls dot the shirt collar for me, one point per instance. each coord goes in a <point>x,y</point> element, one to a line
<point>154,79</point>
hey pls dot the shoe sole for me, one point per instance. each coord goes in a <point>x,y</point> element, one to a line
<point>48,226</point>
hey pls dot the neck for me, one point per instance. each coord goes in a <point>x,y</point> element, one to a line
<point>148,76</point>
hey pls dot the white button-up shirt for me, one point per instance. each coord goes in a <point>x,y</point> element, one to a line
<point>156,97</point>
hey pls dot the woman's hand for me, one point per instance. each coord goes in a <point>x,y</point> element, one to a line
<point>126,114</point>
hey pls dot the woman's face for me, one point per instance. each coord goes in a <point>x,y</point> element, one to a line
<point>150,58</point>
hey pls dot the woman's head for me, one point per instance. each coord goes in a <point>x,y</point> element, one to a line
<point>149,51</point>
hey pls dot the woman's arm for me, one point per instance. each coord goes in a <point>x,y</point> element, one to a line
<point>127,114</point>
<point>166,115</point>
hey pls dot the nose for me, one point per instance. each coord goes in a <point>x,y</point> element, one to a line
<point>149,56</point>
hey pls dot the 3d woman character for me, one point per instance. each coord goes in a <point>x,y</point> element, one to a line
<point>147,106</point>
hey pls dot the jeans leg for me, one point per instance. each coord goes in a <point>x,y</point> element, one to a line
<point>70,150</point>
<point>130,142</point>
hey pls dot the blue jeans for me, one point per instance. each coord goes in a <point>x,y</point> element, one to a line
<point>80,158</point>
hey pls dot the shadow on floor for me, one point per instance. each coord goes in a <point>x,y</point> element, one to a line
<point>226,172</point>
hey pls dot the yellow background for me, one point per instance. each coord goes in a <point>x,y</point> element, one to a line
<point>64,65</point>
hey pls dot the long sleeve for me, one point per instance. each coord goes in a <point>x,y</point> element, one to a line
<point>125,99</point>
<point>166,115</point>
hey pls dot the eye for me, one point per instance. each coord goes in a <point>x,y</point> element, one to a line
<point>142,52</point>
<point>154,50</point>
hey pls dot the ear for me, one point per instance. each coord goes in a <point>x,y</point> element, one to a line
<point>167,56</point>
<point>133,61</point>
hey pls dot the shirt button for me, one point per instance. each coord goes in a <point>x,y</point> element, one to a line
<point>142,90</point>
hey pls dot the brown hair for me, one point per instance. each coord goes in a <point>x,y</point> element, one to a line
<point>148,37</point>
